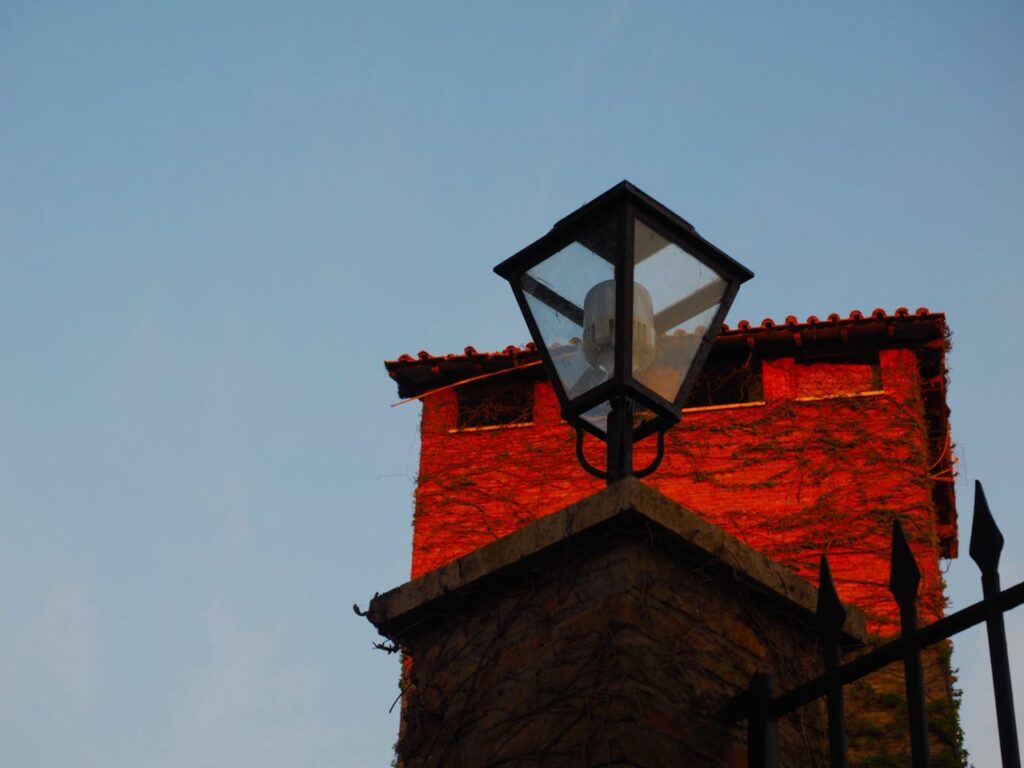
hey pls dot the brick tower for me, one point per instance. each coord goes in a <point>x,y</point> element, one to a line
<point>799,438</point>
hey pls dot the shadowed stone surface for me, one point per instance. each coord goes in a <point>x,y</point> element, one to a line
<point>612,632</point>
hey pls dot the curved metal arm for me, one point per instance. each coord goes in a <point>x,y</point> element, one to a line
<point>657,459</point>
<point>583,460</point>
<point>601,475</point>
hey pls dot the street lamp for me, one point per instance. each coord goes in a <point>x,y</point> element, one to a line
<point>623,299</point>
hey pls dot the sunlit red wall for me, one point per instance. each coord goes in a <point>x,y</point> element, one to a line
<point>823,465</point>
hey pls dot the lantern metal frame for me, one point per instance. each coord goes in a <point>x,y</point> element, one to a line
<point>624,204</point>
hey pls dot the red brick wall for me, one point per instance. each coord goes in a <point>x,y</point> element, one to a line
<point>824,464</point>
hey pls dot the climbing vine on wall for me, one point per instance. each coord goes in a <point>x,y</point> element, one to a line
<point>793,477</point>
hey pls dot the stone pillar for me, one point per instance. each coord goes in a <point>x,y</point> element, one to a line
<point>612,632</point>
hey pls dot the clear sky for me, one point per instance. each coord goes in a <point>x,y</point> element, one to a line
<point>217,219</point>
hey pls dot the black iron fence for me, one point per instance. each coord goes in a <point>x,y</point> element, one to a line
<point>762,708</point>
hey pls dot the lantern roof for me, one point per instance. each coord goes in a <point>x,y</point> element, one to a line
<point>621,193</point>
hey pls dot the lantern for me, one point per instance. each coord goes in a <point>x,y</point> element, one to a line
<point>623,300</point>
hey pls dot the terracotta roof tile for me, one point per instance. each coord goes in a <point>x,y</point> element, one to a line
<point>767,331</point>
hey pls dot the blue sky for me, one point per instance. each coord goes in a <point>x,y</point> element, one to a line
<point>218,219</point>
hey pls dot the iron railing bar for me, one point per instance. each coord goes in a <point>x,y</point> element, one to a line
<point>831,616</point>
<point>762,727</point>
<point>913,680</point>
<point>904,583</point>
<point>985,549</point>
<point>1002,688</point>
<point>892,651</point>
<point>762,709</point>
<point>884,655</point>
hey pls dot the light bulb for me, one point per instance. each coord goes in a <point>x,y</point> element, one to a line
<point>599,327</point>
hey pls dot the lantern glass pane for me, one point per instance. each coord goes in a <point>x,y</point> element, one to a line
<point>598,416</point>
<point>556,291</point>
<point>686,294</point>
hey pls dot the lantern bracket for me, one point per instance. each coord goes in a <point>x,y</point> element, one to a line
<point>601,474</point>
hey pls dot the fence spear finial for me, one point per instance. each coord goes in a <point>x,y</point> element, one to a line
<point>904,575</point>
<point>831,613</point>
<point>986,539</point>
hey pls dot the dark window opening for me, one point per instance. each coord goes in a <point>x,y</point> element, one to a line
<point>727,382</point>
<point>493,404</point>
